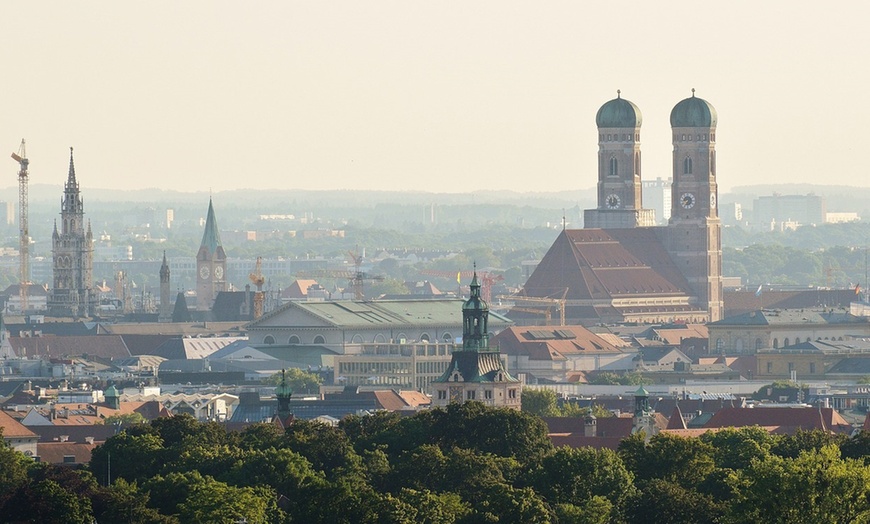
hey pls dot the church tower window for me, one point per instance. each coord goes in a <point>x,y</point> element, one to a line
<point>613,166</point>
<point>687,166</point>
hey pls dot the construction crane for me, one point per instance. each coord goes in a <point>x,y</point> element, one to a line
<point>487,279</point>
<point>257,279</point>
<point>545,303</point>
<point>356,278</point>
<point>24,229</point>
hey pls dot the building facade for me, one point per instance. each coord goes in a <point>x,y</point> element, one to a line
<point>72,249</point>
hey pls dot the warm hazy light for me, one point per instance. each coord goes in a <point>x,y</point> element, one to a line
<point>432,96</point>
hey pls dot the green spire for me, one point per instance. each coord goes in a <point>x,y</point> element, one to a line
<point>211,238</point>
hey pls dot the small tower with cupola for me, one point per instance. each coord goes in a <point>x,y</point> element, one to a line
<point>694,229</point>
<point>619,168</point>
<point>476,371</point>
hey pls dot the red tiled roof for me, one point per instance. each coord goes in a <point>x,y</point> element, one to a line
<point>105,346</point>
<point>55,452</point>
<point>606,263</point>
<point>551,343</point>
<point>676,421</point>
<point>12,428</point>
<point>788,418</point>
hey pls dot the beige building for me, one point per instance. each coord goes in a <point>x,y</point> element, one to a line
<point>400,366</point>
<point>781,328</point>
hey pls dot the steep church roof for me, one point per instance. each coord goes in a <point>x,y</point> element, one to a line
<point>606,264</point>
<point>211,238</point>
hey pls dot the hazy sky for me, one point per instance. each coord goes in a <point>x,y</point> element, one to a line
<point>435,96</point>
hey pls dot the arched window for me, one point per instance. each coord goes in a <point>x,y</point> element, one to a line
<point>380,338</point>
<point>637,163</point>
<point>758,343</point>
<point>447,337</point>
<point>775,343</point>
<point>713,163</point>
<point>613,166</point>
<point>293,340</point>
<point>319,339</point>
<point>738,345</point>
<point>269,339</point>
<point>424,337</point>
<point>357,339</point>
<point>401,337</point>
<point>687,166</point>
<point>720,344</point>
<point>785,343</point>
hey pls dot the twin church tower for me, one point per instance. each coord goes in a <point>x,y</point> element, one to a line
<point>621,267</point>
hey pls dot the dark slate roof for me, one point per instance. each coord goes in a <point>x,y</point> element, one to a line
<point>656,353</point>
<point>477,366</point>
<point>100,432</point>
<point>852,366</point>
<point>144,344</point>
<point>739,302</point>
<point>231,306</point>
<point>771,317</point>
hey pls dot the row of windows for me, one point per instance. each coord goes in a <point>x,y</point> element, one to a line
<point>791,367</point>
<point>738,343</point>
<point>699,138</point>
<point>626,137</point>
<point>471,394</point>
<point>357,339</point>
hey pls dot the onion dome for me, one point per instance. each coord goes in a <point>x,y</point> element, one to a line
<point>619,112</point>
<point>693,112</point>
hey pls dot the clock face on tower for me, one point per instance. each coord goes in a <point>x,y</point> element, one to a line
<point>687,200</point>
<point>203,272</point>
<point>219,272</point>
<point>612,201</point>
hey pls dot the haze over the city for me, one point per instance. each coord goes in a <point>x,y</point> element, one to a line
<point>429,96</point>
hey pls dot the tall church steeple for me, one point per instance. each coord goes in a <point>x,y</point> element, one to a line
<point>619,168</point>
<point>165,314</point>
<point>211,263</point>
<point>72,252</point>
<point>694,228</point>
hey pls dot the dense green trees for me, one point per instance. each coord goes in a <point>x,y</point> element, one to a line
<point>466,464</point>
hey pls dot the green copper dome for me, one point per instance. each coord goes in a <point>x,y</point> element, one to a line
<point>693,112</point>
<point>619,112</point>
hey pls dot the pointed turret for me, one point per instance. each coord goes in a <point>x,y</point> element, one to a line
<point>71,177</point>
<point>211,238</point>
<point>475,314</point>
<point>164,269</point>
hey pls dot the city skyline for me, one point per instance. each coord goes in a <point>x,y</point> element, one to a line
<point>427,97</point>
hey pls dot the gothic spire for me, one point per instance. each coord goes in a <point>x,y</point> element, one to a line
<point>211,238</point>
<point>71,179</point>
